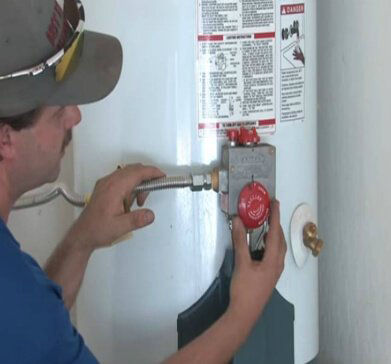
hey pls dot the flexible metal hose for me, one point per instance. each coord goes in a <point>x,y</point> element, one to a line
<point>165,183</point>
<point>80,201</point>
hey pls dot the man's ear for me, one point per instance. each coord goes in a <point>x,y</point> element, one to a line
<point>6,142</point>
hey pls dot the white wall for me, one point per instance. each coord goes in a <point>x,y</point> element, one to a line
<point>354,55</point>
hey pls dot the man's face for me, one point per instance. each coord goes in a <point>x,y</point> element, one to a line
<point>41,147</point>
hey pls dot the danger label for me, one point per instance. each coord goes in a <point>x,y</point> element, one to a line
<point>236,43</point>
<point>292,62</point>
<point>292,9</point>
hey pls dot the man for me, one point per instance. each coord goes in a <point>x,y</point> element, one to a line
<point>47,65</point>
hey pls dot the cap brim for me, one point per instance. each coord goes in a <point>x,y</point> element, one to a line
<point>95,76</point>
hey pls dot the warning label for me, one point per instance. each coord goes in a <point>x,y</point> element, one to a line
<point>292,62</point>
<point>236,65</point>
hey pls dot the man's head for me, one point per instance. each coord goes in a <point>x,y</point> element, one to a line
<point>48,62</point>
<point>33,144</point>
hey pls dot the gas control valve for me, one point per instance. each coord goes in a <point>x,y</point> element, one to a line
<point>246,181</point>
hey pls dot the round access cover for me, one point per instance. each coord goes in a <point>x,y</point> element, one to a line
<point>301,217</point>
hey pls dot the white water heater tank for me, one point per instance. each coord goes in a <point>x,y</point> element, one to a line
<point>192,69</point>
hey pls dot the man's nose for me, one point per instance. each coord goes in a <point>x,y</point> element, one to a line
<point>73,116</point>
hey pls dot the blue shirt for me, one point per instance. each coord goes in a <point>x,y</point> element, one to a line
<point>34,323</point>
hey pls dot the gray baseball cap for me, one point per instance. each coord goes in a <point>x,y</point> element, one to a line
<point>36,36</point>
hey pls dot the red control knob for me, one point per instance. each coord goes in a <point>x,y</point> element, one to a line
<point>256,137</point>
<point>247,136</point>
<point>254,205</point>
<point>233,135</point>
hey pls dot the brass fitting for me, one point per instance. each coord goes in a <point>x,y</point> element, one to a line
<point>311,240</point>
<point>215,180</point>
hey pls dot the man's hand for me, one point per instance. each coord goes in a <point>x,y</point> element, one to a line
<point>253,281</point>
<point>251,287</point>
<point>105,220</point>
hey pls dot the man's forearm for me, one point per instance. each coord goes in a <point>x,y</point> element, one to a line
<point>216,345</point>
<point>67,265</point>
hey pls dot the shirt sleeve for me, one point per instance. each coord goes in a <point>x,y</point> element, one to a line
<point>69,346</point>
<point>35,326</point>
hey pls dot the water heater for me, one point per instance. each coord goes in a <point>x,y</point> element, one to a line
<point>192,71</point>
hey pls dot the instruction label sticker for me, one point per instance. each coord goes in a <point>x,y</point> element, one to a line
<point>292,62</point>
<point>236,47</point>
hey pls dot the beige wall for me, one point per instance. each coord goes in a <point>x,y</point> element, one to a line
<point>354,55</point>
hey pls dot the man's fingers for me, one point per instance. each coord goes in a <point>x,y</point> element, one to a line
<point>239,239</point>
<point>127,202</point>
<point>275,241</point>
<point>135,220</point>
<point>274,221</point>
<point>141,198</point>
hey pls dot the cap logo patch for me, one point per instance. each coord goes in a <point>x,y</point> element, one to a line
<point>58,29</point>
